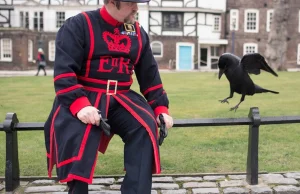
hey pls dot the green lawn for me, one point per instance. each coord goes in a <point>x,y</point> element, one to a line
<point>186,150</point>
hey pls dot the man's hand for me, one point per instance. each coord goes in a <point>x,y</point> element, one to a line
<point>168,120</point>
<point>89,115</point>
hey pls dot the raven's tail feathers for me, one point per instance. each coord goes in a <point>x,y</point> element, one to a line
<point>274,92</point>
<point>259,89</point>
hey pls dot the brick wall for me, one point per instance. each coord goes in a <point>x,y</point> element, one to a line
<point>20,39</point>
<point>169,48</point>
<point>261,37</point>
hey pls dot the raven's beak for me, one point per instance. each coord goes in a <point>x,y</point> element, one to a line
<point>221,71</point>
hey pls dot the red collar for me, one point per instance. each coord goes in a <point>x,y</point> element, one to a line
<point>108,18</point>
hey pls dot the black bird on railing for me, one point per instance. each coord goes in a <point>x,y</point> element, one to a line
<point>237,72</point>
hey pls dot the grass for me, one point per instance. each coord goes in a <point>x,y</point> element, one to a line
<point>186,150</point>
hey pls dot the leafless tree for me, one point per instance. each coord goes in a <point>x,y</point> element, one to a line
<point>277,40</point>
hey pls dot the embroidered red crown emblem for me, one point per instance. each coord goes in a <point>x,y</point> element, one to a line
<point>117,42</point>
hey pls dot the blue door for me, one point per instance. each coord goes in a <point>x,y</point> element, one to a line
<point>185,58</point>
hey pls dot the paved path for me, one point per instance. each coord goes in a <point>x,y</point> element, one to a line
<point>24,73</point>
<point>279,183</point>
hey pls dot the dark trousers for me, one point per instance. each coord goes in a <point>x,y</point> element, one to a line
<point>77,187</point>
<point>39,68</point>
<point>138,152</point>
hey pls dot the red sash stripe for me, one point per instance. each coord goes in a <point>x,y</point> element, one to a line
<point>138,30</point>
<point>98,81</point>
<point>92,44</point>
<point>152,88</point>
<point>69,89</point>
<point>51,163</point>
<point>64,75</point>
<point>140,120</point>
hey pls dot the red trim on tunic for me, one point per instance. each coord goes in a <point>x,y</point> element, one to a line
<point>108,18</point>
<point>103,90</point>
<point>92,44</point>
<point>151,102</point>
<point>78,104</point>
<point>64,75</point>
<point>161,109</point>
<point>81,149</point>
<point>68,89</point>
<point>143,109</point>
<point>107,105</point>
<point>75,158</point>
<point>104,140</point>
<point>152,88</point>
<point>98,81</point>
<point>140,42</point>
<point>73,176</point>
<point>156,152</point>
<point>51,163</point>
<point>83,143</point>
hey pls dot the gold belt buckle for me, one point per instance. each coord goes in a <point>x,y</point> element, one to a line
<point>108,84</point>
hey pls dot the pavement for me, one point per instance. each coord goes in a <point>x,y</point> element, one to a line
<point>269,183</point>
<point>4,73</point>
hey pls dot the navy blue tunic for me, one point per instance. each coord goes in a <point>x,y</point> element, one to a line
<point>95,59</point>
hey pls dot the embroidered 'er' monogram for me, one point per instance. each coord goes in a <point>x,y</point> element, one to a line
<point>117,42</point>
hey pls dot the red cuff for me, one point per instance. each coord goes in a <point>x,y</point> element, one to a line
<point>78,104</point>
<point>161,109</point>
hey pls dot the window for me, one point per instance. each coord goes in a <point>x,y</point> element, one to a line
<point>217,23</point>
<point>172,21</point>
<point>60,19</point>
<point>51,49</point>
<point>24,19</point>
<point>30,50</point>
<point>299,20</point>
<point>234,19</point>
<point>298,55</point>
<point>250,48</point>
<point>6,49</point>
<point>157,48</point>
<point>269,19</point>
<point>214,56</point>
<point>251,20</point>
<point>38,23</point>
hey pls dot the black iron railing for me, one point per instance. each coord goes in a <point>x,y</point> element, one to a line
<point>11,126</point>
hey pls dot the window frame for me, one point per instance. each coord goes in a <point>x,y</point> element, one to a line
<point>255,45</point>
<point>30,50</point>
<point>256,21</point>
<point>51,48</point>
<point>234,17</point>
<point>59,20</point>
<point>39,20</point>
<point>269,21</point>
<point>2,58</point>
<point>180,28</point>
<point>298,55</point>
<point>299,20</point>
<point>24,19</point>
<point>161,48</point>
<point>214,24</point>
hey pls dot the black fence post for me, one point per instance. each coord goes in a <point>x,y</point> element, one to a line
<point>252,160</point>
<point>12,172</point>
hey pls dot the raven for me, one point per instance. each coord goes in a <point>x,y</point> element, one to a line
<point>236,71</point>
